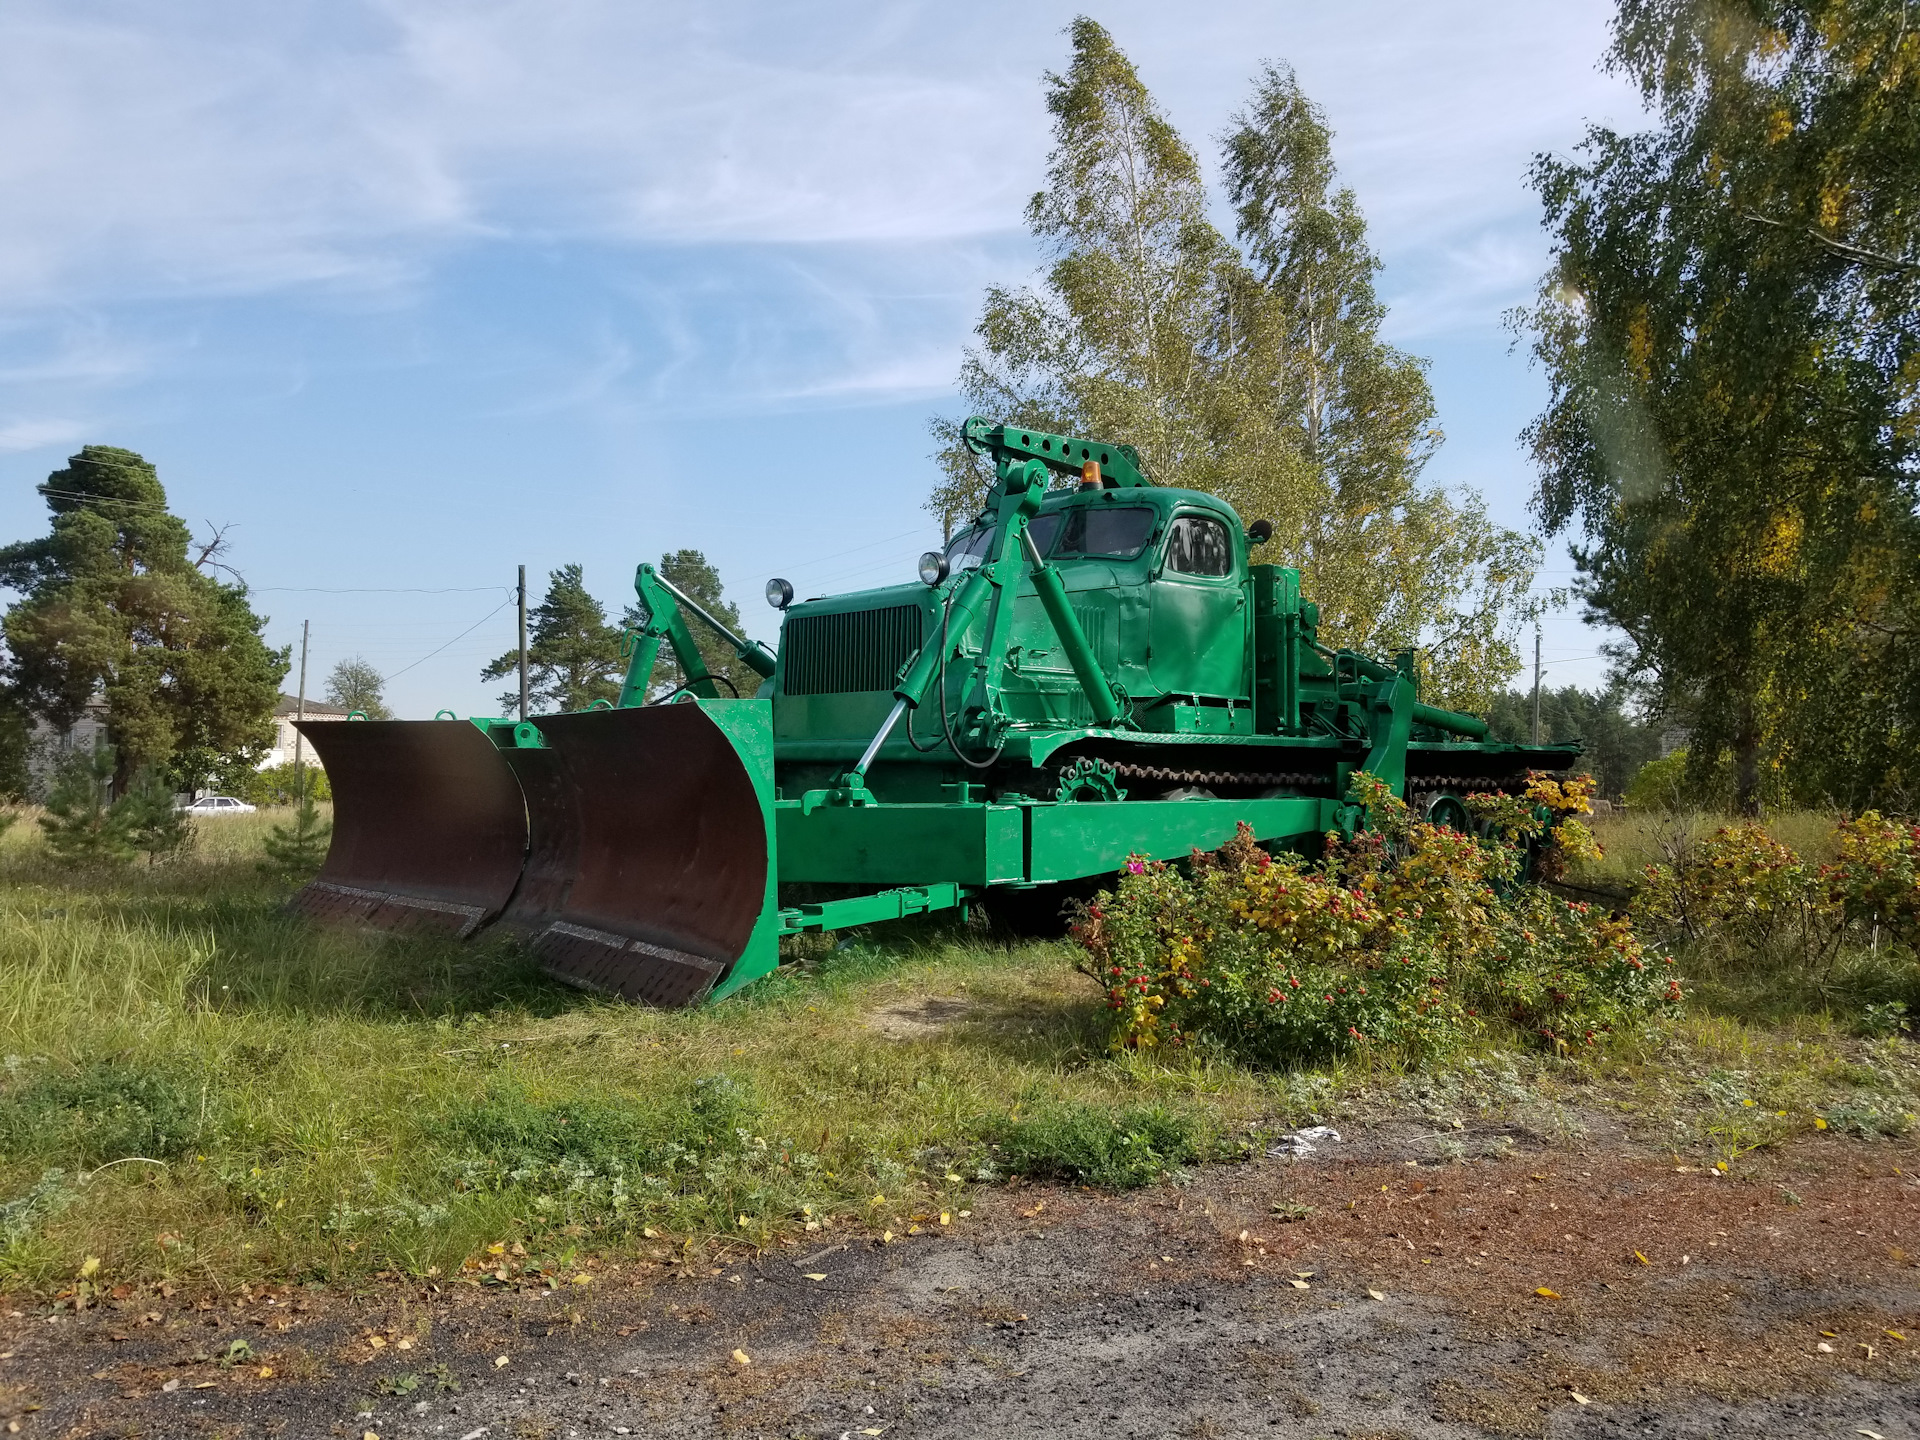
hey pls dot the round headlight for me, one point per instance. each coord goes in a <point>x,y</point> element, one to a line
<point>779,594</point>
<point>933,567</point>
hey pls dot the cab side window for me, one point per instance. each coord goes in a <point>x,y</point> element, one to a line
<point>1199,546</point>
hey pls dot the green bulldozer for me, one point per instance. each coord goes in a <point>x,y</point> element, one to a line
<point>1095,670</point>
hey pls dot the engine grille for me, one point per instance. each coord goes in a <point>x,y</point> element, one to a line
<point>858,650</point>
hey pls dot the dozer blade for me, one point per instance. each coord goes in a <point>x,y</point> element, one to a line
<point>429,830</point>
<point>650,870</point>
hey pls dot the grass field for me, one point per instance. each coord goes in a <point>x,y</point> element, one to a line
<point>201,1090</point>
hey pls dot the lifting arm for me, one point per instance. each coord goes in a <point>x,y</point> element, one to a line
<point>665,622</point>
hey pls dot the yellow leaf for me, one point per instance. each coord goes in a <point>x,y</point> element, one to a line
<point>369,1435</point>
<point>266,1372</point>
<point>1545,1294</point>
<point>376,1341</point>
<point>1641,1258</point>
<point>1818,1123</point>
<point>583,1278</point>
<point>741,1222</point>
<point>945,1218</point>
<point>1578,1398</point>
<point>498,1361</point>
<point>650,1232</point>
<point>497,1248</point>
<point>1895,1335</point>
<point>405,1342</point>
<point>740,1357</point>
<point>89,1267</point>
<point>878,1200</point>
<point>1299,1284</point>
<point>1375,1295</point>
<point>886,1237</point>
<point>816,1276</point>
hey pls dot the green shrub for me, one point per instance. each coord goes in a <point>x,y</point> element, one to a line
<point>284,784</point>
<point>1743,884</point>
<point>1409,935</point>
<point>1115,1150</point>
<point>100,1113</point>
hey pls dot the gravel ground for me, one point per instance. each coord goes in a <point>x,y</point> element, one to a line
<point>1604,1292</point>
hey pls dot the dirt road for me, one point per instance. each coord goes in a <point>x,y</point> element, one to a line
<point>1350,1293</point>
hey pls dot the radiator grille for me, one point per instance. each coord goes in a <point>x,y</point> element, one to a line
<point>859,650</point>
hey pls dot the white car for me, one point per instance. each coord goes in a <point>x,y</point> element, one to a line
<point>218,805</point>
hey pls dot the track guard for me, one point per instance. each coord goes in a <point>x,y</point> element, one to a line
<point>650,870</point>
<point>428,827</point>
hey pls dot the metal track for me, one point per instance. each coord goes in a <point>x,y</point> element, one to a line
<point>1215,777</point>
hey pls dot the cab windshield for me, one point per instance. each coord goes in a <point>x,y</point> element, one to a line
<point>969,548</point>
<point>1109,532</point>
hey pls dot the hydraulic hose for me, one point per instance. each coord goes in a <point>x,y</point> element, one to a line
<point>946,721</point>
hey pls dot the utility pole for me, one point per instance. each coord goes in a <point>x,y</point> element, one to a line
<point>300,713</point>
<point>523,642</point>
<point>1536,684</point>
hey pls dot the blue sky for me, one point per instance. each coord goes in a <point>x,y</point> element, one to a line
<point>408,292</point>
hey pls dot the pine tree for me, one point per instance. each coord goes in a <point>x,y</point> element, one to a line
<point>296,850</point>
<point>573,654</point>
<point>114,604</point>
<point>82,824</point>
<point>153,822</point>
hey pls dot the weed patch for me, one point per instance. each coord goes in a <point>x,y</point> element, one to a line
<point>1110,1149</point>
<point>100,1112</point>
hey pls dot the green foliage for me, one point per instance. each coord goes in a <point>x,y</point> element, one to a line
<point>151,820</point>
<point>112,603</point>
<point>1111,1149</point>
<point>98,1112</point>
<point>573,654</point>
<point>1617,744</point>
<point>356,685</point>
<point>1255,372</point>
<point>1273,960</point>
<point>690,570</point>
<point>82,824</point>
<point>1743,884</point>
<point>1663,785</point>
<point>295,850</point>
<point>283,784</point>
<point>15,741</point>
<point>1730,332</point>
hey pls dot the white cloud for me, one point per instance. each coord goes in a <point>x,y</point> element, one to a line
<point>19,435</point>
<point>217,149</point>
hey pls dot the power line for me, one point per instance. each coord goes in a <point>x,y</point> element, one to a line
<point>101,499</point>
<point>456,639</point>
<point>375,590</point>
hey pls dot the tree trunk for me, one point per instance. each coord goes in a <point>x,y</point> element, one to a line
<point>1746,762</point>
